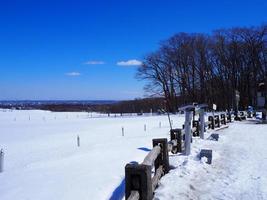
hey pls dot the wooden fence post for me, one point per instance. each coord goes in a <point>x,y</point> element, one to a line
<point>163,158</point>
<point>1,160</point>
<point>178,135</point>
<point>211,120</point>
<point>196,125</point>
<point>138,178</point>
<point>217,121</point>
<point>78,141</point>
<point>223,119</point>
<point>229,116</point>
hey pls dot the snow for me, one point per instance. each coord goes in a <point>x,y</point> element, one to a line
<point>238,169</point>
<point>42,160</point>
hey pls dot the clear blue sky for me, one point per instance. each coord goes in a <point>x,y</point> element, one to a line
<point>79,49</point>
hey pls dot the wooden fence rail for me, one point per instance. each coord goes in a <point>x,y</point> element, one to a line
<point>138,177</point>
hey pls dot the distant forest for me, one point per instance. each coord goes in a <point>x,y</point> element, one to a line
<point>208,68</point>
<point>131,106</point>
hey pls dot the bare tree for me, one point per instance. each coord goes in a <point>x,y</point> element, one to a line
<point>208,68</point>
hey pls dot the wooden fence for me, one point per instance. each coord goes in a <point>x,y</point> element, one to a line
<point>141,180</point>
<point>138,181</point>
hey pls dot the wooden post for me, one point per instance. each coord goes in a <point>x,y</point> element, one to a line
<point>217,121</point>
<point>1,160</point>
<point>211,120</point>
<point>178,135</point>
<point>163,158</point>
<point>196,125</point>
<point>78,141</point>
<point>229,117</point>
<point>223,119</point>
<point>138,178</point>
<point>122,131</point>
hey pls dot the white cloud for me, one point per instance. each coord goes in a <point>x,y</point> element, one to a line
<point>133,62</point>
<point>94,62</point>
<point>73,74</point>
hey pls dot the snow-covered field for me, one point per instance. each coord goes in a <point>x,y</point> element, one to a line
<point>42,160</point>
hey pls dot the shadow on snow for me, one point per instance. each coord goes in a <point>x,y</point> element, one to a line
<point>144,149</point>
<point>118,193</point>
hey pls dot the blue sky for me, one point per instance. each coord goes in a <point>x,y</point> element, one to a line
<point>90,49</point>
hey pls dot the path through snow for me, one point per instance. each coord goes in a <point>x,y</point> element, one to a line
<point>238,170</point>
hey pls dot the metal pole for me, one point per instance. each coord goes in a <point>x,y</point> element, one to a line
<point>188,136</point>
<point>169,120</point>
<point>202,123</point>
<point>1,160</point>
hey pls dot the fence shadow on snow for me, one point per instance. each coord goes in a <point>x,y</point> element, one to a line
<point>119,191</point>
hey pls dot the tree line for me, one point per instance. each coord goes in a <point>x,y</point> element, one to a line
<point>208,68</point>
<point>146,105</point>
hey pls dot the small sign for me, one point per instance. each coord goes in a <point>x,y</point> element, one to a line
<point>214,106</point>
